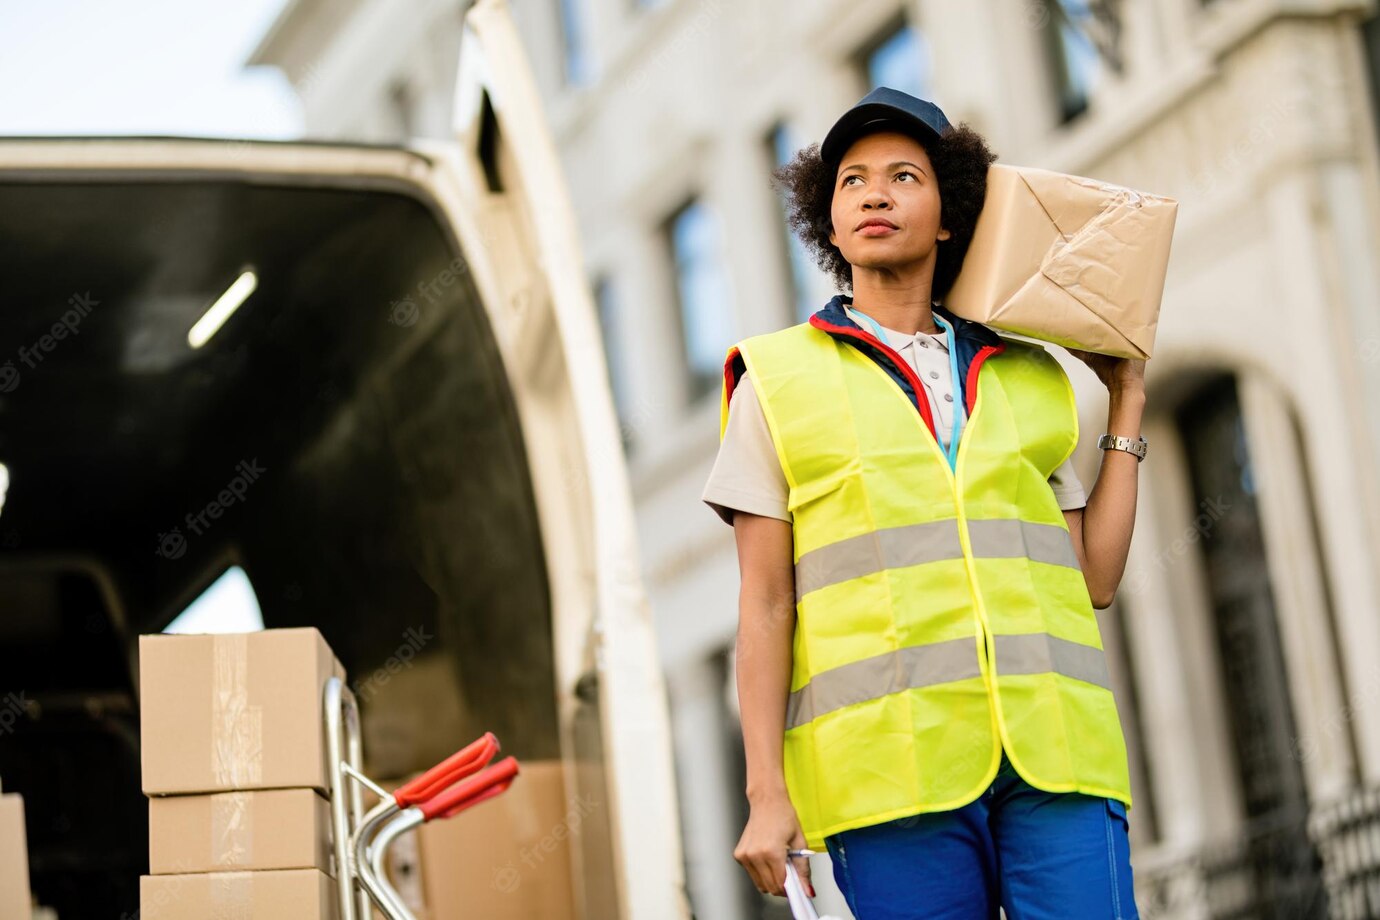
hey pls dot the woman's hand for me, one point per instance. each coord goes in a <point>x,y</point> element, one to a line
<point>1116,374</point>
<point>772,827</point>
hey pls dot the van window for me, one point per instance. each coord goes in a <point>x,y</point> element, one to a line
<point>229,605</point>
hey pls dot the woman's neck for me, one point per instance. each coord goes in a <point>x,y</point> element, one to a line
<point>905,318</point>
<point>898,297</point>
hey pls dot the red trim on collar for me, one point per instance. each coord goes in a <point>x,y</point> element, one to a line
<point>921,402</point>
<point>730,378</point>
<point>983,354</point>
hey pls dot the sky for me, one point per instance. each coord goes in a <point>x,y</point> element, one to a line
<point>141,67</point>
<point>148,67</point>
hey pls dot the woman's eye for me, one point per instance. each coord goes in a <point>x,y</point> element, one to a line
<point>906,173</point>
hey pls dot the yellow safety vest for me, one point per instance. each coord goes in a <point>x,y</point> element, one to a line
<point>941,613</point>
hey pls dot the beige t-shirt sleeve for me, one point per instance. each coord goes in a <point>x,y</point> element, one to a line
<point>1068,491</point>
<point>747,474</point>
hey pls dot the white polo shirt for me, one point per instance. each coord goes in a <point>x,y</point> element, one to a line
<point>747,474</point>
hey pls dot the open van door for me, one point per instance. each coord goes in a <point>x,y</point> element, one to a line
<point>613,711</point>
<point>412,402</point>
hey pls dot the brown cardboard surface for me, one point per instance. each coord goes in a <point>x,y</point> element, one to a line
<point>227,831</point>
<point>14,858</point>
<point>1067,259</point>
<point>507,858</point>
<point>233,712</point>
<point>286,894</point>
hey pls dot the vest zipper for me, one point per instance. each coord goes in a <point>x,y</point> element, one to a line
<point>970,385</point>
<point>966,542</point>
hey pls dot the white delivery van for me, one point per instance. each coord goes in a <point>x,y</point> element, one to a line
<point>403,436</point>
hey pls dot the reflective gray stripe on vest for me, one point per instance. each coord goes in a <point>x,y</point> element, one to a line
<point>891,672</point>
<point>939,663</point>
<point>1038,653</point>
<point>913,544</point>
<point>1046,543</point>
<point>890,548</point>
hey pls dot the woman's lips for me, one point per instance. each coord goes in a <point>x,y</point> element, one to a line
<point>877,230</point>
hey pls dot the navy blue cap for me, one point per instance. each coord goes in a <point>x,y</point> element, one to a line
<point>883,109</point>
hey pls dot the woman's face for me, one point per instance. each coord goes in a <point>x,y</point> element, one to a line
<point>886,176</point>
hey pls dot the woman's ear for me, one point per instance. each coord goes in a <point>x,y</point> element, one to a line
<point>944,234</point>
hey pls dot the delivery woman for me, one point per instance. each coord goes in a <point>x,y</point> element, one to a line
<point>920,673</point>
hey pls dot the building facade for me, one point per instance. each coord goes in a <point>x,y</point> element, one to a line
<point>1244,636</point>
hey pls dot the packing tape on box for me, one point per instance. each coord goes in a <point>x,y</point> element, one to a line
<point>237,752</point>
<point>232,830</point>
<point>232,896</point>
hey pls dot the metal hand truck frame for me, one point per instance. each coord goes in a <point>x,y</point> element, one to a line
<point>361,840</point>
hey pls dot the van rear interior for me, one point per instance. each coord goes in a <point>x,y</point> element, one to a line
<point>389,505</point>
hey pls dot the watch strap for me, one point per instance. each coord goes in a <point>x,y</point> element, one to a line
<point>1135,446</point>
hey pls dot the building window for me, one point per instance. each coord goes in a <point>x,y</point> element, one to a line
<point>403,102</point>
<point>705,299</point>
<point>902,61</point>
<point>1275,859</point>
<point>781,142</point>
<point>1370,32</point>
<point>574,50</point>
<point>1127,690</point>
<point>606,303</point>
<point>1074,58</point>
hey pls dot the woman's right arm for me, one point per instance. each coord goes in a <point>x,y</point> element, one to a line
<point>766,630</point>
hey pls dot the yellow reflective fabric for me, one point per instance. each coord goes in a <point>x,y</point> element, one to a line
<point>941,614</point>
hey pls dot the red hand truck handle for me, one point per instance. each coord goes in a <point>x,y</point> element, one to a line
<point>492,780</point>
<point>455,767</point>
<point>486,794</point>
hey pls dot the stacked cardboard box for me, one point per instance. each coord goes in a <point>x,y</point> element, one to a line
<point>14,858</point>
<point>235,768</point>
<point>506,858</point>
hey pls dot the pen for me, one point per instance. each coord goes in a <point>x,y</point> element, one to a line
<point>790,852</point>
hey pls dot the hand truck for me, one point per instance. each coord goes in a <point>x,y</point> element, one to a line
<point>362,840</point>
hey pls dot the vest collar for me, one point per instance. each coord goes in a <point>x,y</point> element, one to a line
<point>975,343</point>
<point>976,335</point>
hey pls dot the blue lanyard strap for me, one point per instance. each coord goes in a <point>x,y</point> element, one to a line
<point>960,416</point>
<point>951,449</point>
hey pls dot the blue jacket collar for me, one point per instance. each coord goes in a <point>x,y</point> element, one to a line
<point>975,335</point>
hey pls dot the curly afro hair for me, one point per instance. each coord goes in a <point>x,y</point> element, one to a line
<point>960,158</point>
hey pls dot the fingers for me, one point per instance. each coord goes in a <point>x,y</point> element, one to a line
<point>776,871</point>
<point>802,866</point>
<point>770,874</point>
<point>766,872</point>
<point>802,863</point>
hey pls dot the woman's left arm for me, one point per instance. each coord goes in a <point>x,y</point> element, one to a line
<point>1101,531</point>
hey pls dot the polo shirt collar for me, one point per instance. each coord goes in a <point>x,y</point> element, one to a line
<point>976,334</point>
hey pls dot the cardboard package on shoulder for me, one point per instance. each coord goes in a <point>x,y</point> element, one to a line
<point>1067,259</point>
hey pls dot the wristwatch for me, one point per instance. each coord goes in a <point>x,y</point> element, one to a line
<point>1121,442</point>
